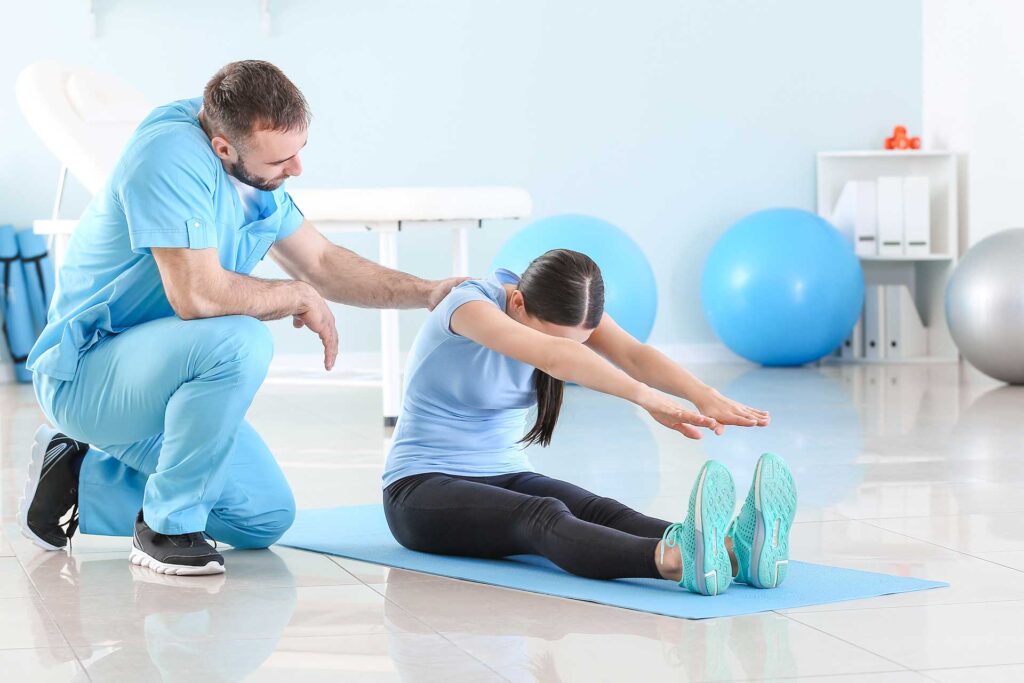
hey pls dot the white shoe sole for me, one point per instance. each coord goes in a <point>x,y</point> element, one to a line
<point>42,439</point>
<point>142,559</point>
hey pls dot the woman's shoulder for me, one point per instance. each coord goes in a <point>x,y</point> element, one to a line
<point>490,288</point>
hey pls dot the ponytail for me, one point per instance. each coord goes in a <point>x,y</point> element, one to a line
<point>549,404</point>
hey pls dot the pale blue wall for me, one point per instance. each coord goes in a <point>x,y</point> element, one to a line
<point>670,118</point>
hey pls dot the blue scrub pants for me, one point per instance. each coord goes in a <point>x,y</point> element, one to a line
<point>163,405</point>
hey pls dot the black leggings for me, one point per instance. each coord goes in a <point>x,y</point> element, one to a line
<point>523,514</point>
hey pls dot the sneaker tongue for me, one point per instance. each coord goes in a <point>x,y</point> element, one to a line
<point>194,539</point>
<point>190,540</point>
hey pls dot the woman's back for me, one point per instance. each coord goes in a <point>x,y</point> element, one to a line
<point>464,407</point>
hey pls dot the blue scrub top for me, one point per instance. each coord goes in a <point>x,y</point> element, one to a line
<point>465,406</point>
<point>168,189</point>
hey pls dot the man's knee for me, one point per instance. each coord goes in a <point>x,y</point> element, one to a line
<point>249,338</point>
<point>236,339</point>
<point>259,531</point>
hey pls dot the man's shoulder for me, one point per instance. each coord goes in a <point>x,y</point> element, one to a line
<point>168,138</point>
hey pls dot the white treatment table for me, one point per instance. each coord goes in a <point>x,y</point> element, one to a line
<point>85,117</point>
<point>393,210</point>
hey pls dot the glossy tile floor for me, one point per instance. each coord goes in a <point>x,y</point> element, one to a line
<point>911,470</point>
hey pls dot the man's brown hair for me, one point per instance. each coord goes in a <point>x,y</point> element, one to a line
<point>251,95</point>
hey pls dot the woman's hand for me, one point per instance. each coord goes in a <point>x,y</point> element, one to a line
<point>674,416</point>
<point>728,412</point>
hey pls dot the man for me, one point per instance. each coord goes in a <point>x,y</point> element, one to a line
<point>154,347</point>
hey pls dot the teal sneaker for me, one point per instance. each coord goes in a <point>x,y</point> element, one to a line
<point>701,538</point>
<point>760,533</point>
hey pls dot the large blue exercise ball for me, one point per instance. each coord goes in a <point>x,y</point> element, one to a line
<point>630,293</point>
<point>782,287</point>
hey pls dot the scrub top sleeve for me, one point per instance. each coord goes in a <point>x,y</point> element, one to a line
<point>291,216</point>
<point>166,189</point>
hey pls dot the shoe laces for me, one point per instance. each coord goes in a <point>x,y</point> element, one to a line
<point>671,538</point>
<point>196,538</point>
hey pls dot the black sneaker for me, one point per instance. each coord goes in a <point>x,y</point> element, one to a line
<point>178,554</point>
<point>51,490</point>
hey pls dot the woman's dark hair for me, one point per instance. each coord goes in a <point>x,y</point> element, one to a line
<point>560,287</point>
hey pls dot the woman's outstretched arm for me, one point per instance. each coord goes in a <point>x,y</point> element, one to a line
<point>571,361</point>
<point>648,365</point>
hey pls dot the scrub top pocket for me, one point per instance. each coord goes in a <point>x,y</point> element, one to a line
<point>255,239</point>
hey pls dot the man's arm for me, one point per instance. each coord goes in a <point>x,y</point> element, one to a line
<point>198,287</point>
<point>347,278</point>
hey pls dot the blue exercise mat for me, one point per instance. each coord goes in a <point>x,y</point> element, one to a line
<point>38,269</point>
<point>15,308</point>
<point>361,533</point>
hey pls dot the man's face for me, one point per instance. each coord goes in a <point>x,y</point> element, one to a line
<point>268,158</point>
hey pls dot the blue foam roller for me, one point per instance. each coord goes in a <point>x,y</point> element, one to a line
<point>15,308</point>
<point>38,268</point>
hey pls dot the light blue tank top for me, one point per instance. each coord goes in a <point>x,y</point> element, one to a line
<point>465,406</point>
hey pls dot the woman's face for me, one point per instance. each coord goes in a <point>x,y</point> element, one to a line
<point>517,310</point>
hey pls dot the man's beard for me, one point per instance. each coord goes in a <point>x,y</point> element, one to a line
<point>241,173</point>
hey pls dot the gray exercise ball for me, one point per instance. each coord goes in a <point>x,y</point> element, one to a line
<point>985,305</point>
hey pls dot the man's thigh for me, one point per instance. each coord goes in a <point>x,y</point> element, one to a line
<point>123,385</point>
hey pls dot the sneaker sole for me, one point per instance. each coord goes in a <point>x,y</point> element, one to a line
<point>142,559</point>
<point>775,508</point>
<point>715,502</point>
<point>41,440</point>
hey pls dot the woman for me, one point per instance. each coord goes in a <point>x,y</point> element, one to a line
<point>457,481</point>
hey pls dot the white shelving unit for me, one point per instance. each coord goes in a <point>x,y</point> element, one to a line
<point>926,275</point>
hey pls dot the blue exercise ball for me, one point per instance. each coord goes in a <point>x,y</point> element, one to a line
<point>630,294</point>
<point>782,287</point>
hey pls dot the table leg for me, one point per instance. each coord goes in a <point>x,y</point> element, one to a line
<point>460,250</point>
<point>391,375</point>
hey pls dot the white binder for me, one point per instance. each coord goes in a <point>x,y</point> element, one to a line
<point>874,322</point>
<point>890,215</point>
<point>916,216</point>
<point>853,345</point>
<point>905,335</point>
<point>855,215</point>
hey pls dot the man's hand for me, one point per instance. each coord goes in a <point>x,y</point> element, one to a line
<point>439,290</point>
<point>316,315</point>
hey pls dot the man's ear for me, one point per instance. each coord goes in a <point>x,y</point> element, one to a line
<point>222,148</point>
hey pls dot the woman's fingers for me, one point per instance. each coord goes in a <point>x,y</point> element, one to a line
<point>696,419</point>
<point>737,418</point>
<point>688,431</point>
<point>760,417</point>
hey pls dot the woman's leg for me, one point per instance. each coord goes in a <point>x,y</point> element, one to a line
<point>608,512</point>
<point>588,506</point>
<point>479,517</point>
